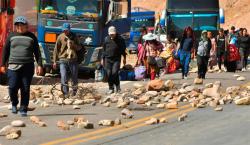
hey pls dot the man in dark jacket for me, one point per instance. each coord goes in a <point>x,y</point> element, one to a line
<point>114,47</point>
<point>18,54</point>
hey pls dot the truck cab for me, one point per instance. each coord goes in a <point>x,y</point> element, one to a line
<point>89,20</point>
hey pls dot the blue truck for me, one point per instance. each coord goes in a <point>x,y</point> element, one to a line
<point>89,20</point>
<point>139,19</point>
<point>199,14</point>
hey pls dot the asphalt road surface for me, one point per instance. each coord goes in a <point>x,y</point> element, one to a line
<point>202,127</point>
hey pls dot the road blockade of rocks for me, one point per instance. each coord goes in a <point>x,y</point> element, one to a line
<point>158,94</point>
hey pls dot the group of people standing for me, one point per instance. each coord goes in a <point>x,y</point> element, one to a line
<point>231,49</point>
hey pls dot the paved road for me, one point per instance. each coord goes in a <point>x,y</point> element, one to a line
<point>203,126</point>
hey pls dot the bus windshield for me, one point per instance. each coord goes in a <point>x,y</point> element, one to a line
<point>197,21</point>
<point>70,7</point>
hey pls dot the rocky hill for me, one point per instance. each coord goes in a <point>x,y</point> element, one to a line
<point>237,12</point>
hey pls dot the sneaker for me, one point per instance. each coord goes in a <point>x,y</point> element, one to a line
<point>14,109</point>
<point>118,89</point>
<point>243,69</point>
<point>185,78</point>
<point>220,71</point>
<point>110,92</point>
<point>23,111</point>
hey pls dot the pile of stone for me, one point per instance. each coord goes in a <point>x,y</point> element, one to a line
<point>166,95</point>
<point>79,122</point>
<point>52,95</point>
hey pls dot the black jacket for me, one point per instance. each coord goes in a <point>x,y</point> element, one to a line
<point>114,48</point>
<point>244,42</point>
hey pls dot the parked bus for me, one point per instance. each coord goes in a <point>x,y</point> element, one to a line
<point>199,14</point>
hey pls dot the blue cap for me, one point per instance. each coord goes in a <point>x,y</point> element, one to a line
<point>20,19</point>
<point>66,26</point>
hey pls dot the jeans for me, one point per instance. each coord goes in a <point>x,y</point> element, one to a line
<point>20,79</point>
<point>185,58</point>
<point>112,67</point>
<point>202,63</point>
<point>244,56</point>
<point>69,70</point>
<point>219,58</point>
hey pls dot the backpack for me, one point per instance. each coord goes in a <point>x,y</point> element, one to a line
<point>203,48</point>
<point>233,53</point>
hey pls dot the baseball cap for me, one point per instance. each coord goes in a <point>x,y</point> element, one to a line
<point>20,19</point>
<point>112,30</point>
<point>66,26</point>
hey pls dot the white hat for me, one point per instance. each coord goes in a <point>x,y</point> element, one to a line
<point>112,30</point>
<point>149,37</point>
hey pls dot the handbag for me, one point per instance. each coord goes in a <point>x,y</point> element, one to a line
<point>176,54</point>
<point>151,60</point>
<point>161,63</point>
<point>140,72</point>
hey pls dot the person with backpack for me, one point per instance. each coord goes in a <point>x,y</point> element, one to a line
<point>186,48</point>
<point>65,53</point>
<point>221,41</point>
<point>113,48</point>
<point>20,49</point>
<point>203,54</point>
<point>244,46</point>
<point>232,36</point>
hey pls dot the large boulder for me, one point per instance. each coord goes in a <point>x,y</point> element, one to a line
<point>214,91</point>
<point>155,85</point>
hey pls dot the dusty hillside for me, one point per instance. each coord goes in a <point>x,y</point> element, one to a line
<point>237,12</point>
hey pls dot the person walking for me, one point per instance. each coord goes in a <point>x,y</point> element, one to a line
<point>213,59</point>
<point>141,49</point>
<point>152,50</point>
<point>18,56</point>
<point>113,48</point>
<point>244,46</point>
<point>203,53</point>
<point>186,47</point>
<point>65,53</point>
<point>221,41</point>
